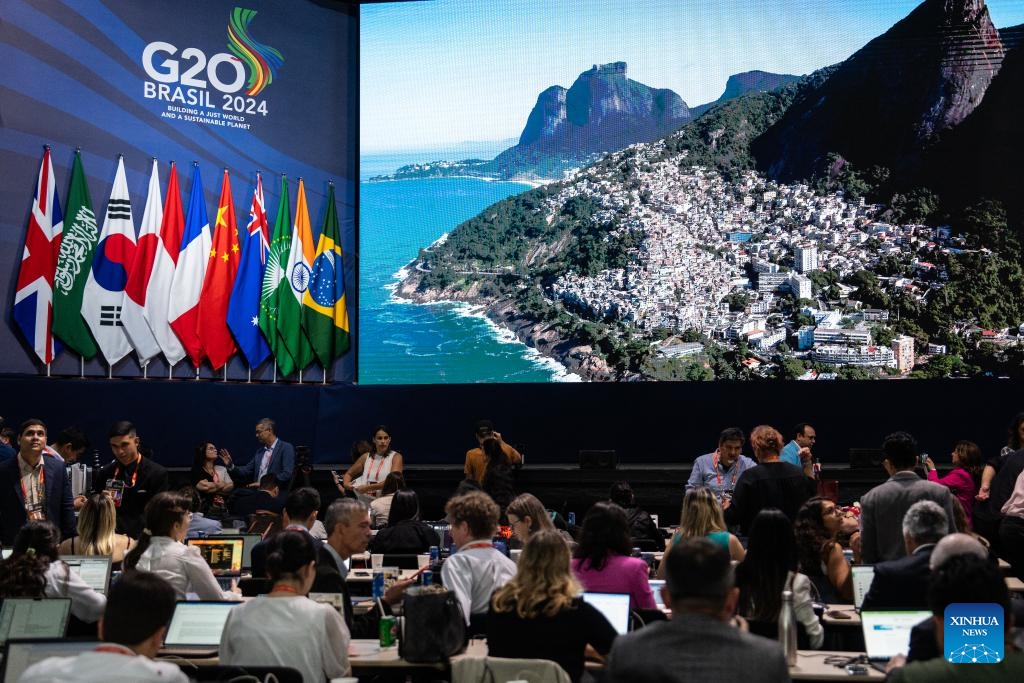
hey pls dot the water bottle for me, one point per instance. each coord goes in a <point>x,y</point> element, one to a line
<point>787,628</point>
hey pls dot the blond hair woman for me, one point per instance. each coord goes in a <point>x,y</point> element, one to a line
<point>539,614</point>
<point>96,521</point>
<point>702,517</point>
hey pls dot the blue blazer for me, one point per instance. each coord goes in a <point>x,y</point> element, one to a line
<point>282,464</point>
<point>59,506</point>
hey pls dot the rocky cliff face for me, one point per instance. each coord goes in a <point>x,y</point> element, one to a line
<point>888,101</point>
<point>747,82</point>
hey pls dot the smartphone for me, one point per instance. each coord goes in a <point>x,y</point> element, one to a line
<point>856,670</point>
<point>337,477</point>
<point>923,459</point>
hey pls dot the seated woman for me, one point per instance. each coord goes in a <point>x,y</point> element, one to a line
<point>160,550</point>
<point>702,516</point>
<point>526,515</point>
<point>405,534</point>
<point>34,570</point>
<point>96,535</point>
<point>770,568</point>
<point>380,507</point>
<point>539,614</point>
<point>284,627</point>
<point>602,562</point>
<point>211,481</point>
<point>366,476</point>
<point>818,526</point>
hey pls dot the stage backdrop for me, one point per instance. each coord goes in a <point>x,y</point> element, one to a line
<point>252,87</point>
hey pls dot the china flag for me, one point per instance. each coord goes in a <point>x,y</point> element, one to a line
<point>221,268</point>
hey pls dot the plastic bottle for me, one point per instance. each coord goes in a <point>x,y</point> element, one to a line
<point>787,628</point>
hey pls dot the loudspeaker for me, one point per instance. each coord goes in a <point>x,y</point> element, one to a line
<point>866,457</point>
<point>598,460</point>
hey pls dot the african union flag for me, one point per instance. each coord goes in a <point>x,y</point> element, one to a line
<point>324,315</point>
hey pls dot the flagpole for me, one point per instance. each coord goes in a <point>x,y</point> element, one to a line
<point>145,369</point>
<point>249,377</point>
<point>170,370</point>
<point>81,366</point>
<point>197,373</point>
<point>300,375</point>
<point>47,369</point>
<point>225,372</point>
<point>275,371</point>
<point>110,371</point>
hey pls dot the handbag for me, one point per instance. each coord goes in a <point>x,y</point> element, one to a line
<point>433,626</point>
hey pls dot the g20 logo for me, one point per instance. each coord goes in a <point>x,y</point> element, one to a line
<point>195,63</point>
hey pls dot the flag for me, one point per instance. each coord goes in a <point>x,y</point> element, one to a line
<point>183,310</point>
<point>104,286</point>
<point>133,314</point>
<point>294,285</point>
<point>324,314</point>
<point>221,268</point>
<point>77,245</point>
<point>165,259</point>
<point>33,300</point>
<point>274,281</point>
<point>244,307</point>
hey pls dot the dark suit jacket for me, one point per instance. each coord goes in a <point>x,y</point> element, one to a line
<point>282,464</point>
<point>59,507</point>
<point>902,583</point>
<point>152,479</point>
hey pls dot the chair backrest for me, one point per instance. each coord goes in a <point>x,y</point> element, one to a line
<point>251,586</point>
<point>497,669</point>
<point>264,523</point>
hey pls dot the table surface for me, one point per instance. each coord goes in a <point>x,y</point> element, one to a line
<point>811,666</point>
<point>829,618</point>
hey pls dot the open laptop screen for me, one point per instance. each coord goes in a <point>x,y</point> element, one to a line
<point>863,575</point>
<point>887,633</point>
<point>197,624</point>
<point>656,586</point>
<point>224,555</point>
<point>34,618</point>
<point>21,654</point>
<point>93,569</point>
<point>614,607</point>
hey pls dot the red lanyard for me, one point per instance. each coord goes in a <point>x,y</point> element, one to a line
<point>114,649</point>
<point>718,475</point>
<point>380,466</point>
<point>40,487</point>
<point>135,474</point>
<point>478,544</point>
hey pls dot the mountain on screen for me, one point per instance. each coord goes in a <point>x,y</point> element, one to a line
<point>893,97</point>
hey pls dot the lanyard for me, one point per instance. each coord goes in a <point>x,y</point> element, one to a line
<point>477,544</point>
<point>135,474</point>
<point>40,487</point>
<point>718,475</point>
<point>114,649</point>
<point>374,477</point>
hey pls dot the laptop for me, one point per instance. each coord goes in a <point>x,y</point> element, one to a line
<point>248,541</point>
<point>93,569</point>
<point>656,586</point>
<point>224,555</point>
<point>614,607</point>
<point>34,618</point>
<point>22,653</point>
<point>887,633</point>
<point>195,628</point>
<point>863,575</point>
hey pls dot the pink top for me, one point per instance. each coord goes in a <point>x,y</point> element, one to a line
<point>620,574</point>
<point>961,484</point>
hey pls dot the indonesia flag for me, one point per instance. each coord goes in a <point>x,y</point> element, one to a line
<point>104,287</point>
<point>187,285</point>
<point>221,268</point>
<point>133,314</point>
<point>158,291</point>
<point>33,301</point>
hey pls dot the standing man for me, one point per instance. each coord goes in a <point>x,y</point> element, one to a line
<point>798,451</point>
<point>130,480</point>
<point>720,470</point>
<point>881,535</point>
<point>33,487</point>
<point>68,447</point>
<point>276,457</point>
<point>7,451</point>
<point>476,462</point>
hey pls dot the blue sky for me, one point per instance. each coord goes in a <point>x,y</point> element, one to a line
<point>440,72</point>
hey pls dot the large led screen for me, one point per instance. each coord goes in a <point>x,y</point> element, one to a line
<point>680,190</point>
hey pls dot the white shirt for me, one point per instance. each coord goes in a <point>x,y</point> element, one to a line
<point>184,568</point>
<point>474,574</point>
<point>86,604</point>
<point>380,508</point>
<point>268,452</point>
<point>103,667</point>
<point>288,631</point>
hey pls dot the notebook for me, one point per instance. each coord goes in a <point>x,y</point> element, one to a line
<point>224,555</point>
<point>21,654</point>
<point>863,575</point>
<point>614,607</point>
<point>196,627</point>
<point>887,633</point>
<point>34,618</point>
<point>93,569</point>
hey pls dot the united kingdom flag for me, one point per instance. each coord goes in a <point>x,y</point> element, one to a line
<point>33,301</point>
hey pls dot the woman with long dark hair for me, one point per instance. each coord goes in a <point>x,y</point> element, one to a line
<point>539,614</point>
<point>210,480</point>
<point>602,561</point>
<point>405,534</point>
<point>34,570</point>
<point>284,627</point>
<point>160,550</point>
<point>96,536</point>
<point>818,525</point>
<point>770,567</point>
<point>380,507</point>
<point>497,481</point>
<point>366,476</point>
<point>964,480</point>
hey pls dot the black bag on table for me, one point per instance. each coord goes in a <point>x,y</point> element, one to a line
<point>433,627</point>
